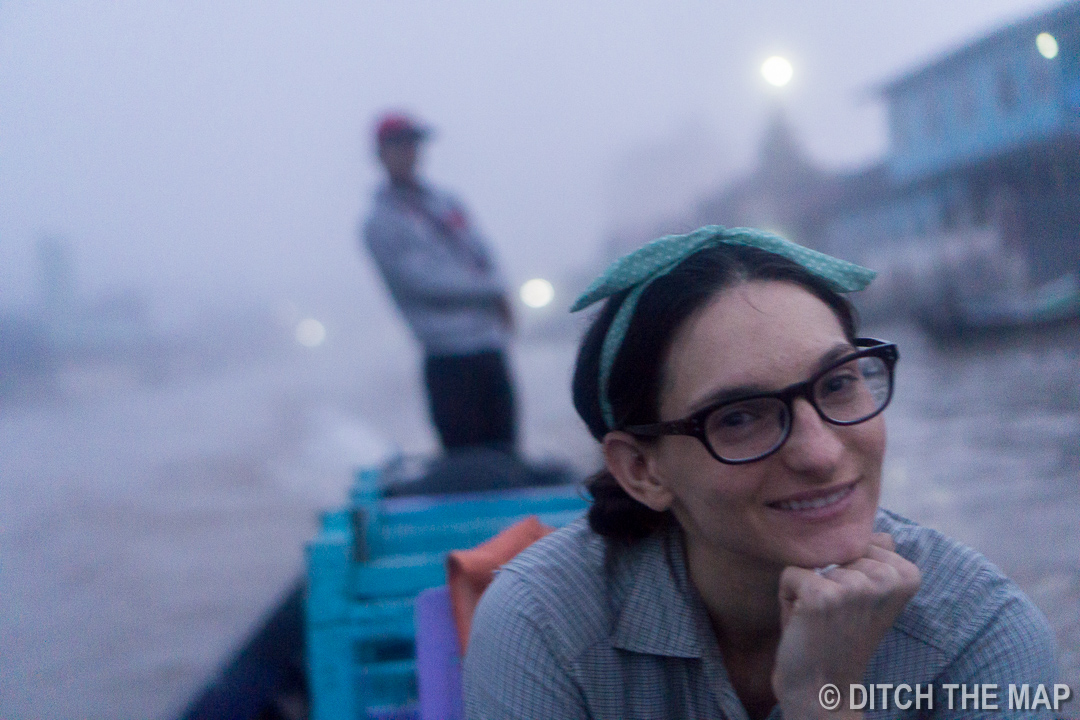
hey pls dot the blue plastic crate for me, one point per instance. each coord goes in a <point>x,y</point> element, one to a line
<point>447,522</point>
<point>453,507</point>
<point>359,609</point>
<point>362,661</point>
<point>401,538</point>
<point>397,575</point>
<point>388,687</point>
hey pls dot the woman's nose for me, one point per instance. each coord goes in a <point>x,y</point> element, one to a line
<point>813,447</point>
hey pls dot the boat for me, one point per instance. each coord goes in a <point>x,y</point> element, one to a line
<point>267,677</point>
<point>1049,307</point>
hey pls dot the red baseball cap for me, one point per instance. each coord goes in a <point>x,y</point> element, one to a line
<point>396,126</point>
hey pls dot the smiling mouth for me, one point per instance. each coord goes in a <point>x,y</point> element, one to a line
<point>816,503</point>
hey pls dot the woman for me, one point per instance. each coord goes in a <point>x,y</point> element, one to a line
<point>735,562</point>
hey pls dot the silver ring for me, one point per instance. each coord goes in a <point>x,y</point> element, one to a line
<point>823,571</point>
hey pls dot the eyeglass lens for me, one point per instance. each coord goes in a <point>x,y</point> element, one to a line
<point>846,394</point>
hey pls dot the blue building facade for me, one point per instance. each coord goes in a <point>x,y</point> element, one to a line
<point>979,192</point>
<point>1017,88</point>
<point>981,184</point>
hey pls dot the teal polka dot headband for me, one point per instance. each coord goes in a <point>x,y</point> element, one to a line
<point>640,268</point>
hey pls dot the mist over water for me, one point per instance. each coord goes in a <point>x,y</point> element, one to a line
<point>148,528</point>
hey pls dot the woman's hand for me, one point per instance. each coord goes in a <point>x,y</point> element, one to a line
<point>832,623</point>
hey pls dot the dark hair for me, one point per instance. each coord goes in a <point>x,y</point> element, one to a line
<point>634,384</point>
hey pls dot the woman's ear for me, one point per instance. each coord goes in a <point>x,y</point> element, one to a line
<point>628,460</point>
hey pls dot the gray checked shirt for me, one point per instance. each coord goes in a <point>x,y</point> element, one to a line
<point>579,627</point>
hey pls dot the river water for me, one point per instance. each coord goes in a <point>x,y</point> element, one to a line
<point>145,529</point>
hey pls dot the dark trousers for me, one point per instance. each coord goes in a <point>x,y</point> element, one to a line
<point>472,400</point>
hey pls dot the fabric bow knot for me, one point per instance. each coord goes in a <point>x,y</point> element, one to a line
<point>657,258</point>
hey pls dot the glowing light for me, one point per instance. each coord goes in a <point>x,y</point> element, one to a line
<point>310,332</point>
<point>537,293</point>
<point>1047,45</point>
<point>777,71</point>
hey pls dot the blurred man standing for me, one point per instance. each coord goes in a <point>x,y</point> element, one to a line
<point>441,275</point>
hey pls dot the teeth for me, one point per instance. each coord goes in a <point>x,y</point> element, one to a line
<point>813,504</point>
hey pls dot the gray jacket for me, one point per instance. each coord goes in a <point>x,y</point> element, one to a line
<point>438,270</point>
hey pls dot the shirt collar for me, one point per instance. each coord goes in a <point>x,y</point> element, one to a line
<point>661,613</point>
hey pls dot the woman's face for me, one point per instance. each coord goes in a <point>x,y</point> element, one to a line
<point>813,501</point>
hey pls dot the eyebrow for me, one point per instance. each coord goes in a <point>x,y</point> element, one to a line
<point>730,394</point>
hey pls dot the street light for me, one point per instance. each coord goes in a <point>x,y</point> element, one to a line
<point>777,71</point>
<point>537,293</point>
<point>1047,44</point>
<point>310,332</point>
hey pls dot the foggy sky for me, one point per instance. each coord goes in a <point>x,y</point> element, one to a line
<point>223,148</point>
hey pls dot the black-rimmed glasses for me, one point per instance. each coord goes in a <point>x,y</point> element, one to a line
<point>849,391</point>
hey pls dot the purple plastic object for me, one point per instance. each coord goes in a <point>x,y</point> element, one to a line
<point>438,659</point>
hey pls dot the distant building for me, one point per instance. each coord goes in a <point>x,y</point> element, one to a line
<point>980,189</point>
<point>982,179</point>
<point>786,193</point>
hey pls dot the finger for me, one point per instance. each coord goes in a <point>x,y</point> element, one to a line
<point>852,579</point>
<point>794,580</point>
<point>863,581</point>
<point>890,576</point>
<point>883,540</point>
<point>799,586</point>
<point>790,580</point>
<point>908,570</point>
<point>881,574</point>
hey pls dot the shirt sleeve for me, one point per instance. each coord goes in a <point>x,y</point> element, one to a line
<point>416,274</point>
<point>511,670</point>
<point>1015,648</point>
